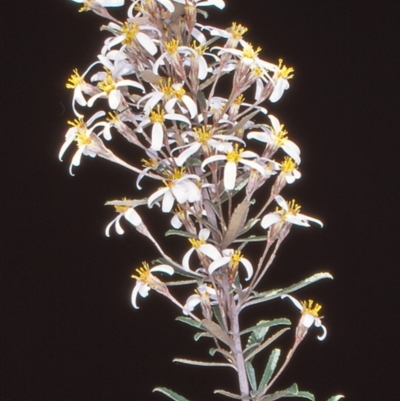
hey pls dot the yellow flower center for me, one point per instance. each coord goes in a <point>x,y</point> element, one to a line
<point>74,80</point>
<point>238,31</point>
<point>82,139</point>
<point>130,31</point>
<point>310,307</point>
<point>108,84</point>
<point>199,49</point>
<point>143,273</point>
<point>285,72</point>
<point>234,155</point>
<point>166,88</point>
<point>196,243</point>
<point>177,174</point>
<point>203,135</point>
<point>77,123</point>
<point>172,46</point>
<point>149,163</point>
<point>235,259</point>
<point>281,136</point>
<point>288,165</point>
<point>239,100</point>
<point>157,116</point>
<point>249,52</point>
<point>178,93</point>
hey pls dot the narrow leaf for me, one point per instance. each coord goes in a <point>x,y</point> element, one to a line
<point>179,233</point>
<point>236,223</point>
<point>335,398</point>
<point>189,321</point>
<point>272,294</point>
<point>291,392</point>
<point>201,363</point>
<point>269,369</point>
<point>265,344</point>
<point>171,394</point>
<point>251,375</point>
<point>216,331</point>
<point>231,395</point>
<point>267,323</point>
<point>217,313</point>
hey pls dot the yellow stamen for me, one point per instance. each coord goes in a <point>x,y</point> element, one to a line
<point>203,134</point>
<point>309,308</point>
<point>238,31</point>
<point>157,116</point>
<point>249,52</point>
<point>130,31</point>
<point>74,80</point>
<point>234,155</point>
<point>143,273</point>
<point>285,72</point>
<point>108,84</point>
<point>288,165</point>
<point>235,259</point>
<point>172,46</point>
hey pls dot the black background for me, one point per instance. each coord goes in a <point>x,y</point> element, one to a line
<point>70,330</point>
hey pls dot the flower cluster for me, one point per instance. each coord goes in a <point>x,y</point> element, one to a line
<point>160,82</point>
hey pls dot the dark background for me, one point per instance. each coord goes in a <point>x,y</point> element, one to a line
<point>70,330</point>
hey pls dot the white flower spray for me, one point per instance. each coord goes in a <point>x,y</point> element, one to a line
<point>158,78</point>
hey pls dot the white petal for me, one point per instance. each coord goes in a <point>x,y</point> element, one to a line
<point>114,99</point>
<point>275,123</point>
<point>210,250</point>
<point>111,3</point>
<point>281,202</point>
<point>269,220</point>
<point>163,268</point>
<point>109,226</point>
<point>218,263</point>
<point>186,258</point>
<point>204,234</point>
<point>248,266</point>
<point>191,303</point>
<point>230,176</point>
<point>190,104</point>
<point>118,227</point>
<point>134,294</point>
<point>157,136</point>
<point>297,304</point>
<point>133,217</point>
<point>154,197</point>
<point>147,43</point>
<point>168,202</point>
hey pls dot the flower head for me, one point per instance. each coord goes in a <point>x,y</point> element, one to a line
<point>146,281</point>
<point>309,317</point>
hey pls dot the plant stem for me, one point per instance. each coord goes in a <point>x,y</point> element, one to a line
<point>238,351</point>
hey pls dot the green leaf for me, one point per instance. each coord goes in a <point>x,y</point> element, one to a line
<point>179,233</point>
<point>291,392</point>
<point>171,394</point>
<point>236,223</point>
<point>269,369</point>
<point>215,330</point>
<point>335,398</point>
<point>231,395</point>
<point>272,294</point>
<point>197,336</point>
<point>201,363</point>
<point>189,321</point>
<point>201,97</point>
<point>249,355</point>
<point>217,313</point>
<point>267,323</point>
<point>251,375</point>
